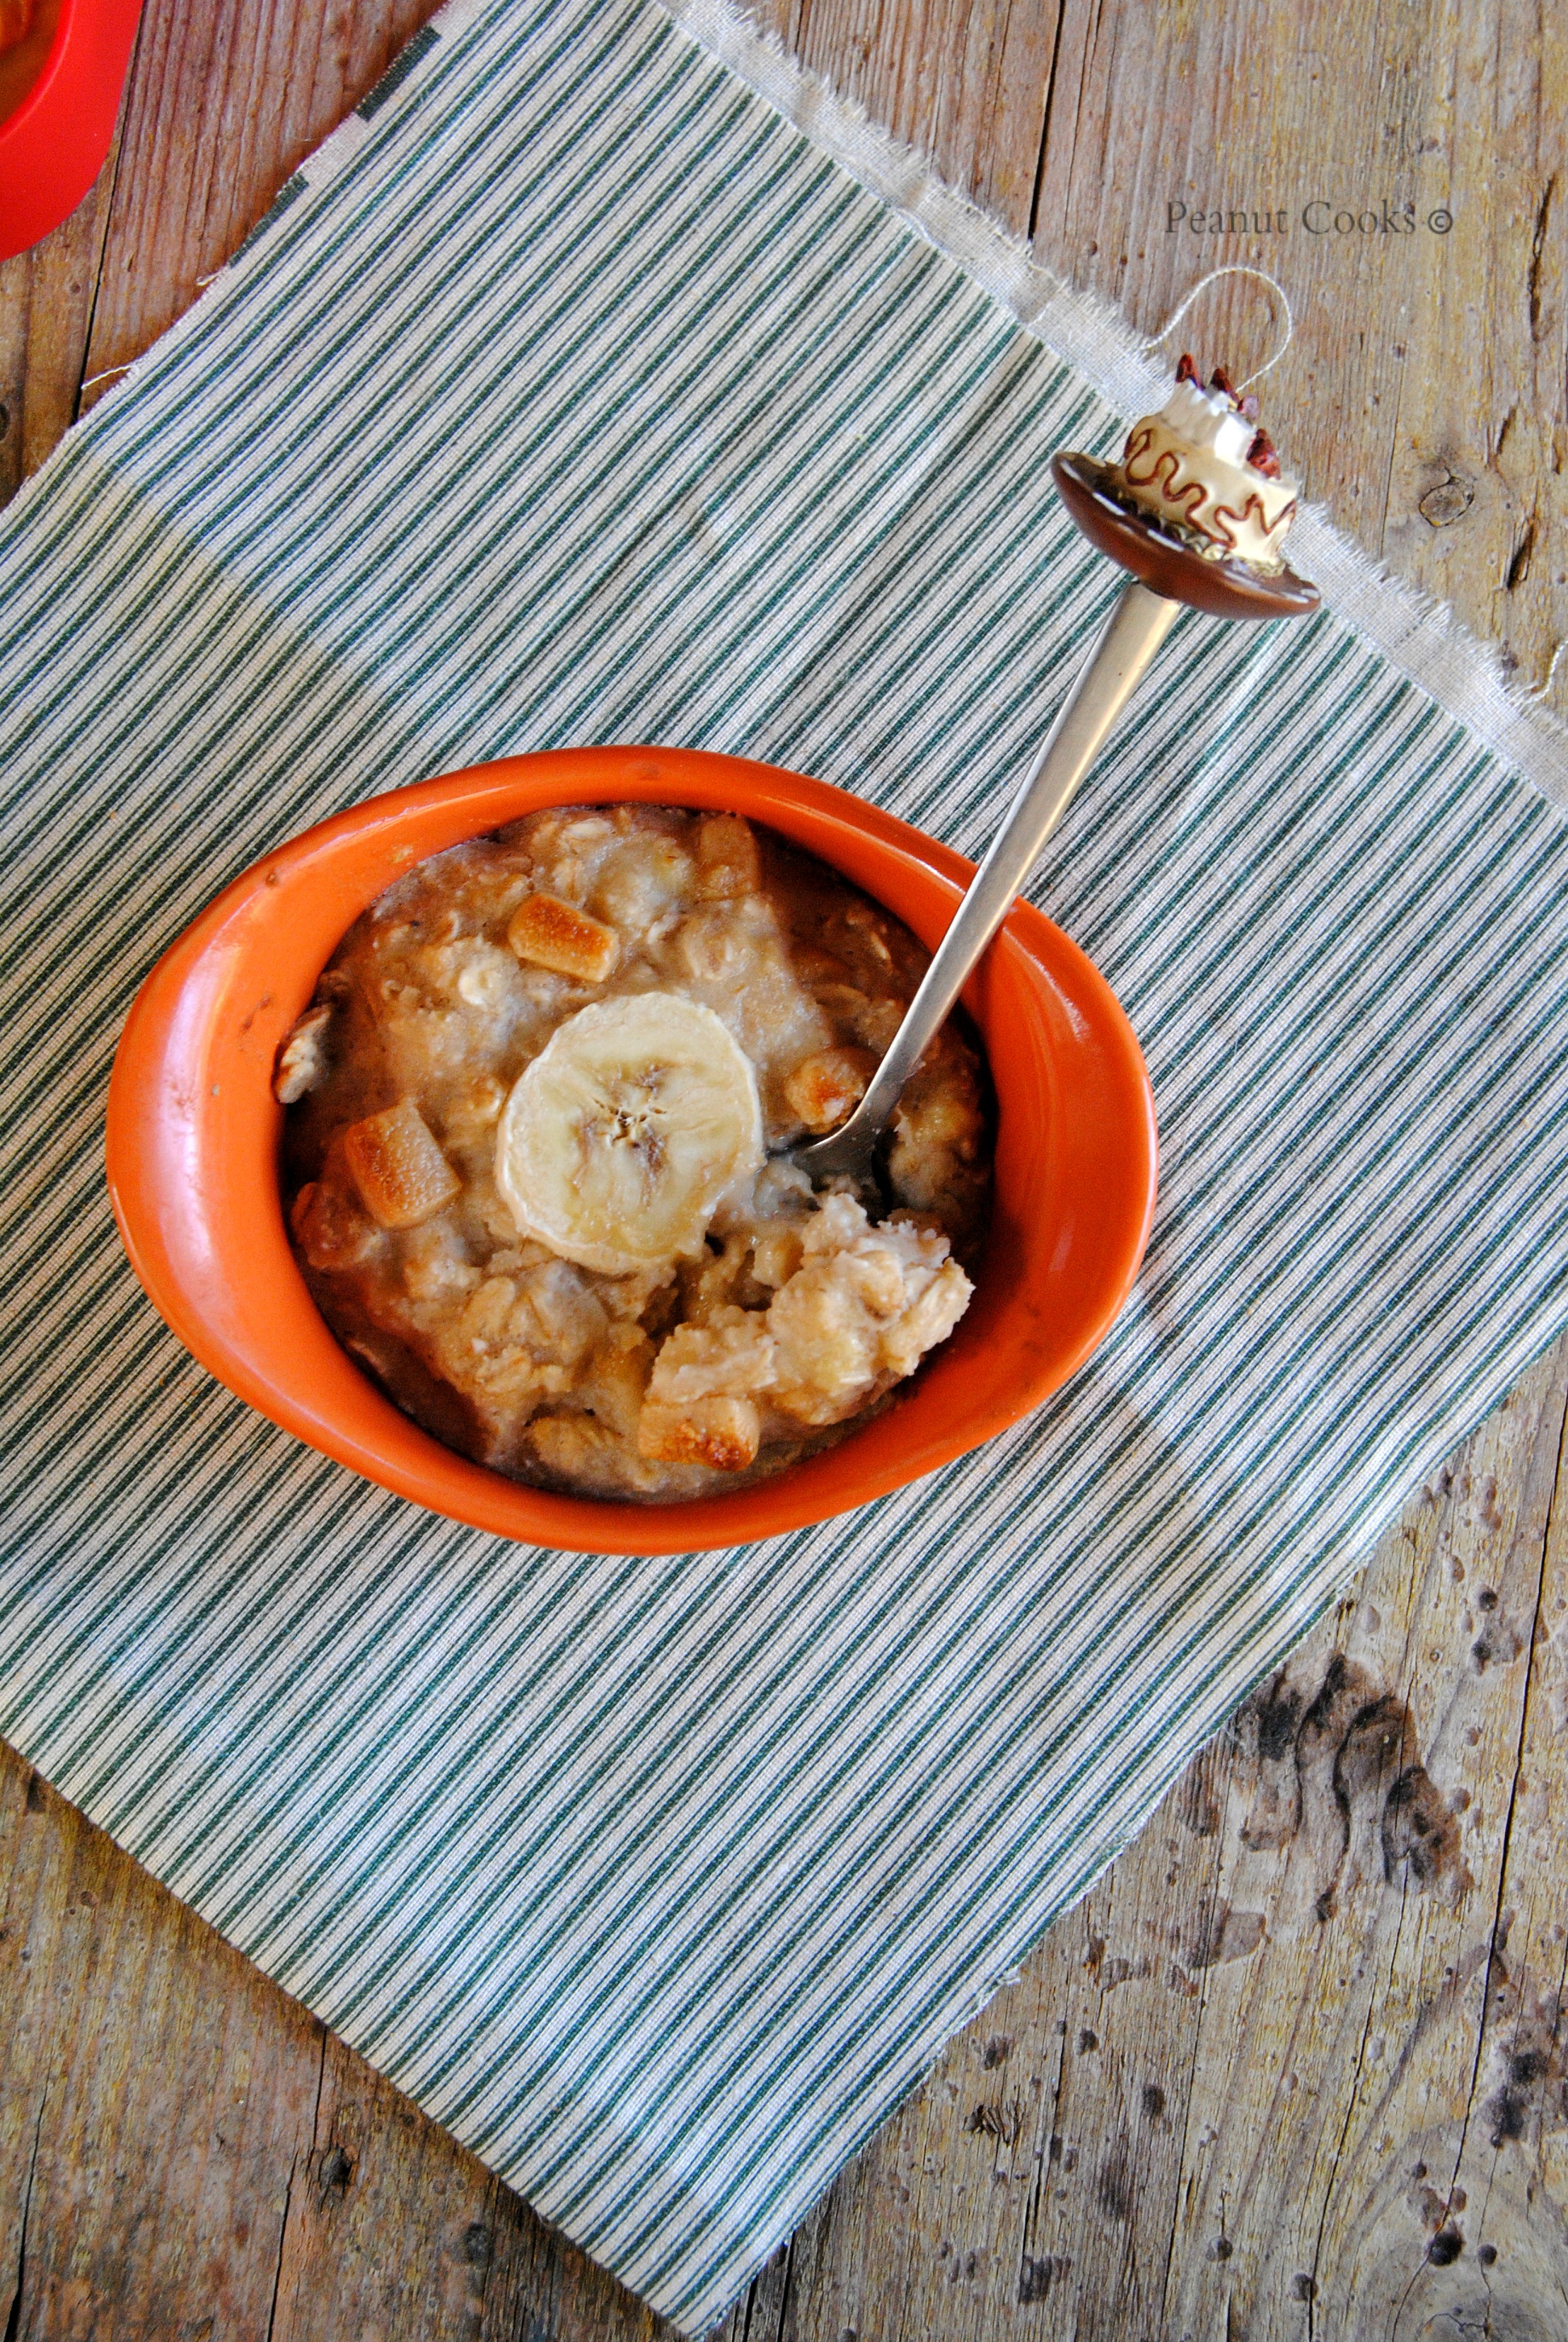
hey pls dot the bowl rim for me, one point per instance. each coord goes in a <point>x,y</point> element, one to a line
<point>158,1120</point>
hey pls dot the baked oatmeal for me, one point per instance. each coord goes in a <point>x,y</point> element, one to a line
<point>531,1149</point>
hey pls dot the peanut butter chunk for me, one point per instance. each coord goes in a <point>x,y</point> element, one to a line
<point>728,863</point>
<point>724,1434</point>
<point>557,935</point>
<point>828,1086</point>
<point>400,1171</point>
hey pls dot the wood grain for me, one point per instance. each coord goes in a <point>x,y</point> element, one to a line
<point>185,2152</point>
<point>1259,2082</point>
<point>223,104</point>
<point>220,105</point>
<point>1425,399</point>
<point>968,84</point>
<point>1297,2069</point>
<point>46,298</point>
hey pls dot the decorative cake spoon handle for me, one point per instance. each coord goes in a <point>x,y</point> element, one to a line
<point>1133,634</point>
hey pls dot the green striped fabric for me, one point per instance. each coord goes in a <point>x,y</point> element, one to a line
<point>572,393</point>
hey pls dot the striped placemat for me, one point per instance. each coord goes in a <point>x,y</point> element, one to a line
<point>573,393</point>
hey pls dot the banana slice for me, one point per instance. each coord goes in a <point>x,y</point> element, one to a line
<point>619,1139</point>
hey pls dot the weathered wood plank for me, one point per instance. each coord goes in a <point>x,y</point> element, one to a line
<point>1424,399</point>
<point>223,105</point>
<point>1175,2123</point>
<point>220,107</point>
<point>185,2152</point>
<point>46,299</point>
<point>965,84</point>
<point>1200,2110</point>
<point>155,2091</point>
<point>394,2231</point>
<point>1316,2122</point>
<point>1503,2246</point>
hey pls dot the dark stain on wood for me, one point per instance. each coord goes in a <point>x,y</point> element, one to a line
<point>1520,559</point>
<point>1279,1716</point>
<point>1537,256</point>
<point>1036,2277</point>
<point>1004,2122</point>
<point>1223,1934</point>
<point>1419,1828</point>
<point>1347,1760</point>
<point>1114,2183</point>
<point>1499,1638</point>
<point>1528,2081</point>
<point>1196,1806</point>
<point>334,2172</point>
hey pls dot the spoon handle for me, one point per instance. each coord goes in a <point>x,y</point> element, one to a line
<point>1133,634</point>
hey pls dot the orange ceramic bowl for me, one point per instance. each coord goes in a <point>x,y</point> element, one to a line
<point>192,1148</point>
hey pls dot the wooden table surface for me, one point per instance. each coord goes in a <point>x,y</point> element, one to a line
<point>1297,2067</point>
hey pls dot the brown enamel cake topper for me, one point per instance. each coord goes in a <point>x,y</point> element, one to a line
<point>1198,506</point>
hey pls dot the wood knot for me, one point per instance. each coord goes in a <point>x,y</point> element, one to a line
<point>1449,501</point>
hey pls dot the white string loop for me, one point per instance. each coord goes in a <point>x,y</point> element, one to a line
<point>1232,268</point>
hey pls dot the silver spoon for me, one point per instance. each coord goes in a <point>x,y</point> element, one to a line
<point>1133,634</point>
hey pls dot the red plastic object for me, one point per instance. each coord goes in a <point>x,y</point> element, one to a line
<point>52,147</point>
<point>193,1139</point>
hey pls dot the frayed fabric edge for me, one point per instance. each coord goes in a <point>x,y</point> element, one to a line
<point>1412,630</point>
